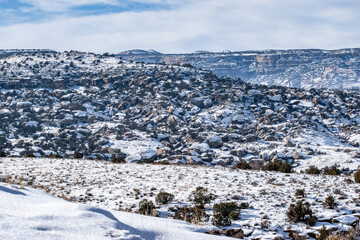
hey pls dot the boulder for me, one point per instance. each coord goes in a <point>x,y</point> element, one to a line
<point>289,143</point>
<point>172,120</point>
<point>256,164</point>
<point>296,155</point>
<point>214,141</point>
<point>213,232</point>
<point>270,138</point>
<point>234,233</point>
<point>238,152</point>
<point>149,154</point>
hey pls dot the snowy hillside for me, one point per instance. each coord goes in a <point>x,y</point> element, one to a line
<point>33,214</point>
<point>104,108</point>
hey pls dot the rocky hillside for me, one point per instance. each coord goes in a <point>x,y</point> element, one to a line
<point>8,52</point>
<point>311,68</point>
<point>100,106</point>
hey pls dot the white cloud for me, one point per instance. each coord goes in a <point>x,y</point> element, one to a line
<point>199,24</point>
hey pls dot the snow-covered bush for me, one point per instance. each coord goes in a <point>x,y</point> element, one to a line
<point>164,198</point>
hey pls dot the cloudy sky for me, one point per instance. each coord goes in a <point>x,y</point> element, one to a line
<point>172,26</point>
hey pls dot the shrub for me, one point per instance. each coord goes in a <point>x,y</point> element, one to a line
<point>54,155</point>
<point>78,155</point>
<point>2,154</point>
<point>146,207</point>
<point>279,166</point>
<point>301,212</point>
<point>117,159</point>
<point>312,170</point>
<point>300,193</point>
<point>330,202</point>
<point>333,170</point>
<point>28,155</point>
<point>200,197</point>
<point>242,165</point>
<point>225,212</point>
<point>191,215</point>
<point>164,198</point>
<point>357,176</point>
<point>324,234</point>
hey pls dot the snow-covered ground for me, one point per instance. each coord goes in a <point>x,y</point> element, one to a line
<point>123,186</point>
<point>29,214</point>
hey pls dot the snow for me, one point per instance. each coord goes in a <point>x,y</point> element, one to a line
<point>33,214</point>
<point>114,186</point>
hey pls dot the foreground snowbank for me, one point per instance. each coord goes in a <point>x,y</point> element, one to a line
<point>33,214</point>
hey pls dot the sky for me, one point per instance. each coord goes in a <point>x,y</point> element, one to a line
<point>179,26</point>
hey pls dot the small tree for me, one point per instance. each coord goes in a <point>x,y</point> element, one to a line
<point>200,197</point>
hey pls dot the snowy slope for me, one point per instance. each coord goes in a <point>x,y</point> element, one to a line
<point>123,186</point>
<point>33,214</point>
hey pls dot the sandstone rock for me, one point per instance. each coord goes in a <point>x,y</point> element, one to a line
<point>170,109</point>
<point>172,120</point>
<point>289,143</point>
<point>256,164</point>
<point>296,155</point>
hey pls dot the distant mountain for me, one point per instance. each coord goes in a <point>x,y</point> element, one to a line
<point>309,68</point>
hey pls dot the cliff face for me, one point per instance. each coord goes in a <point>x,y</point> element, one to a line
<point>311,68</point>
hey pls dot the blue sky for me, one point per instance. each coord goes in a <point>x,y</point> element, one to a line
<point>171,26</point>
